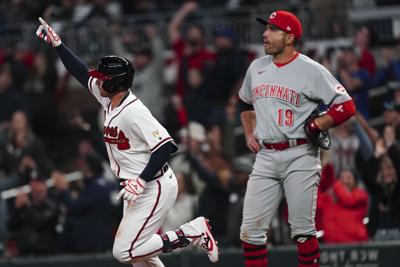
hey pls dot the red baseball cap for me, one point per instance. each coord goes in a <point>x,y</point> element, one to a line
<point>285,21</point>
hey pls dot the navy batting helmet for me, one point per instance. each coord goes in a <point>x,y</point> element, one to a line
<point>116,72</point>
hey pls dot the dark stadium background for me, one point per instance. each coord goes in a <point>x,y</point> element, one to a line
<point>49,123</point>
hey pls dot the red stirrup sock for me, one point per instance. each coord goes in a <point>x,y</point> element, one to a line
<point>254,255</point>
<point>307,252</point>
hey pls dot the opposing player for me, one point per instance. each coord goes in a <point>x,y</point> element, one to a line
<point>138,148</point>
<point>279,93</point>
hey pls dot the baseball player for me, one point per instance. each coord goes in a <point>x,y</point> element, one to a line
<point>279,93</point>
<point>138,148</point>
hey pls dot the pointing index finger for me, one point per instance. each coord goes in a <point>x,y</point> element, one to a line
<point>42,21</point>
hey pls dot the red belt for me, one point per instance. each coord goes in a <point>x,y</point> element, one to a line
<point>286,144</point>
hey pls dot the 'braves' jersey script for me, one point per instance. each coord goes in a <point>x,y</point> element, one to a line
<point>131,134</point>
<point>284,96</point>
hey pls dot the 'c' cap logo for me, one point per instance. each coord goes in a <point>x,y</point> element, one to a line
<point>288,28</point>
<point>273,15</point>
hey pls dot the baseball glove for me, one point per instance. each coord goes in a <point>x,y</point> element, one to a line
<point>317,137</point>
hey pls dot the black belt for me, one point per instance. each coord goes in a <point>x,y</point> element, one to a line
<point>163,170</point>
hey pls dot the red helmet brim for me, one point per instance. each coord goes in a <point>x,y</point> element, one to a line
<point>98,75</point>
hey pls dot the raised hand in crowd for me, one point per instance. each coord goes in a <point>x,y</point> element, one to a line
<point>174,26</point>
<point>372,133</point>
<point>60,183</point>
<point>380,148</point>
<point>389,136</point>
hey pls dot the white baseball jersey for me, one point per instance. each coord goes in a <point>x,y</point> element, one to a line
<point>284,95</point>
<point>131,134</point>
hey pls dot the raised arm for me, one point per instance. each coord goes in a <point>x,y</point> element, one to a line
<point>371,132</point>
<point>389,134</point>
<point>72,63</point>
<point>371,168</point>
<point>157,48</point>
<point>177,19</point>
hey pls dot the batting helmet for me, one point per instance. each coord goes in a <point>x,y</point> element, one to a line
<point>116,72</point>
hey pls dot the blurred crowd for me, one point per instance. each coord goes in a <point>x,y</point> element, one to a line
<point>45,135</point>
<point>14,11</point>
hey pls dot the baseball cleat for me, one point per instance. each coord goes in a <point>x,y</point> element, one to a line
<point>206,242</point>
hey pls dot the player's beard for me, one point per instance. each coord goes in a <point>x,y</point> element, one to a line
<point>275,48</point>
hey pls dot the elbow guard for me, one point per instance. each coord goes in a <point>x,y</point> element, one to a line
<point>342,112</point>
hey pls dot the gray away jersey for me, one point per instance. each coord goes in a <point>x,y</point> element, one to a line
<point>284,96</point>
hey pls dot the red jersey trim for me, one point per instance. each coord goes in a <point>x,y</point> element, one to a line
<point>119,168</point>
<point>116,162</point>
<point>165,140</point>
<point>90,84</point>
<point>121,110</point>
<point>279,65</point>
<point>108,107</point>
<point>146,221</point>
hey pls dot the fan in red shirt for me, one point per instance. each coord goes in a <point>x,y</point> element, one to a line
<point>365,58</point>
<point>190,51</point>
<point>190,55</point>
<point>342,206</point>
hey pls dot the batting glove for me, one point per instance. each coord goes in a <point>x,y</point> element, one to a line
<point>50,36</point>
<point>132,189</point>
